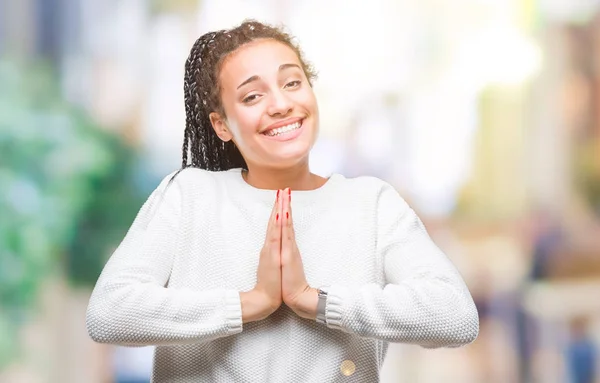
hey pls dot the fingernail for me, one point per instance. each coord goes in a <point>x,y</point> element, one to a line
<point>287,215</point>
<point>290,195</point>
<point>278,194</point>
<point>277,217</point>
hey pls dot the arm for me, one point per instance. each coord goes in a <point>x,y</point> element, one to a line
<point>130,304</point>
<point>424,301</point>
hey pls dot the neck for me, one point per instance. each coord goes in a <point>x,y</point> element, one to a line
<point>298,177</point>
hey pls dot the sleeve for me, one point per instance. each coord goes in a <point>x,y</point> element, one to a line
<point>131,305</point>
<point>424,301</point>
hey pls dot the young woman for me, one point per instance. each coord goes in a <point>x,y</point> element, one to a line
<point>230,282</point>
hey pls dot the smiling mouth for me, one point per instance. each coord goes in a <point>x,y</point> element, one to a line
<point>284,129</point>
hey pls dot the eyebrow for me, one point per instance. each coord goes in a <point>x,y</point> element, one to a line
<point>281,67</point>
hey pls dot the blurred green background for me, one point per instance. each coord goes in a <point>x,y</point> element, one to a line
<point>68,192</point>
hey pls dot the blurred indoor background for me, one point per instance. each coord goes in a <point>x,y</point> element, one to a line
<point>485,114</point>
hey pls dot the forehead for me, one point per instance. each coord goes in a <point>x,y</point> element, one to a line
<point>259,57</point>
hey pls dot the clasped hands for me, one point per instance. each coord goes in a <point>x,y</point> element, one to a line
<point>280,274</point>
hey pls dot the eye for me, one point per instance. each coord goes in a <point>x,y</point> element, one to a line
<point>293,84</point>
<point>250,98</point>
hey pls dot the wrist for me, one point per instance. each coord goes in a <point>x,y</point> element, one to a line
<point>306,304</point>
<point>253,306</point>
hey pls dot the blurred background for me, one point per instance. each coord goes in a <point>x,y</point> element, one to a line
<point>484,114</point>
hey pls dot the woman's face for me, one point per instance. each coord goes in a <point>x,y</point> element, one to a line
<point>271,110</point>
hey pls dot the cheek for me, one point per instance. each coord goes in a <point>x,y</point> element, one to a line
<point>309,100</point>
<point>314,103</point>
<point>247,119</point>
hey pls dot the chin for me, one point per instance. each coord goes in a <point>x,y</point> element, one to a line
<point>291,157</point>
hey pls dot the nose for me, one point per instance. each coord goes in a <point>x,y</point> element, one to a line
<point>280,104</point>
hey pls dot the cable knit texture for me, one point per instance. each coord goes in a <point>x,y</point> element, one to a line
<point>174,282</point>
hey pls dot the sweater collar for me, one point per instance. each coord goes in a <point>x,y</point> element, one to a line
<point>300,196</point>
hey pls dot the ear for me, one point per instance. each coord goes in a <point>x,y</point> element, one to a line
<point>220,126</point>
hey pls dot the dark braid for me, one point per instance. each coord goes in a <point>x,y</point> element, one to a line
<point>202,147</point>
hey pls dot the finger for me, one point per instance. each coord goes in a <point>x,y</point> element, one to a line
<point>288,232</point>
<point>280,222</point>
<point>273,228</point>
<point>273,217</point>
<point>290,212</point>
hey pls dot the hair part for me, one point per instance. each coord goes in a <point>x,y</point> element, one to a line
<point>202,148</point>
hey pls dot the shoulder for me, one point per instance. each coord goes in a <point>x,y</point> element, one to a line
<point>195,178</point>
<point>370,186</point>
<point>190,183</point>
<point>376,192</point>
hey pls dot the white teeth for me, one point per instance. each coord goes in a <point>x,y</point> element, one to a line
<point>283,129</point>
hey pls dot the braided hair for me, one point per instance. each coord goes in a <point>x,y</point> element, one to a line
<point>202,148</point>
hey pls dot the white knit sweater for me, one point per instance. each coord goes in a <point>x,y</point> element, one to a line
<point>175,279</point>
